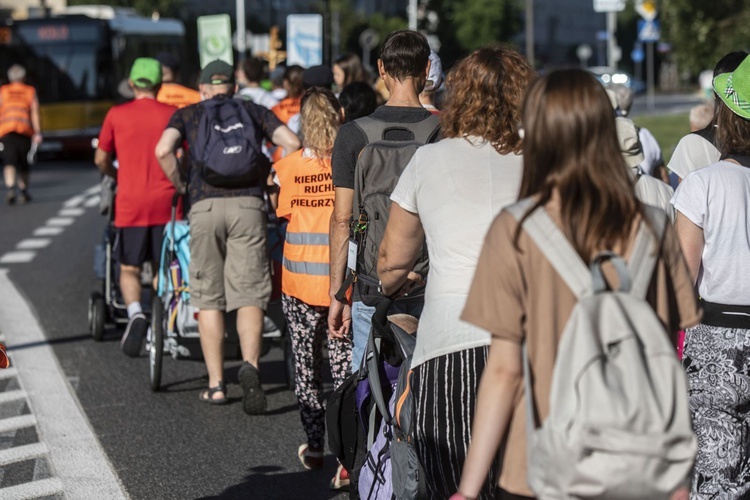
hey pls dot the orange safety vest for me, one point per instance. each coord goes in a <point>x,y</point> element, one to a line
<point>306,199</point>
<point>287,108</point>
<point>15,108</point>
<point>177,95</point>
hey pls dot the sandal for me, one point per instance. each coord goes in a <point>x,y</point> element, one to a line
<point>207,396</point>
<point>310,459</point>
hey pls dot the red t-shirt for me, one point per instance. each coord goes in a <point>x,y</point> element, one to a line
<point>130,132</point>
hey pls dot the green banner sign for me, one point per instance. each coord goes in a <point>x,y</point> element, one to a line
<point>215,39</point>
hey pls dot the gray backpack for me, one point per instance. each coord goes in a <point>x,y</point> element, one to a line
<point>376,174</point>
<point>619,425</point>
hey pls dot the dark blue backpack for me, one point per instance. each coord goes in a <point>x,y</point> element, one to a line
<point>228,148</point>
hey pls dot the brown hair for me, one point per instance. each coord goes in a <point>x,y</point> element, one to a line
<point>351,65</point>
<point>732,132</point>
<point>484,96</point>
<point>320,120</point>
<point>571,147</point>
<point>293,80</point>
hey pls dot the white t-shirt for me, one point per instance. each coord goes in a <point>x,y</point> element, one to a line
<point>652,157</point>
<point>692,152</point>
<point>652,191</point>
<point>259,96</point>
<point>457,187</point>
<point>717,199</point>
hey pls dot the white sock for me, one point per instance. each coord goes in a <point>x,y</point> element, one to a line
<point>134,308</point>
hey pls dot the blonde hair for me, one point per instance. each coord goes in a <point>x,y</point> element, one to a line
<point>320,120</point>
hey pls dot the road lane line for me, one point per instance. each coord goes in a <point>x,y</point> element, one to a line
<point>8,373</point>
<point>92,202</point>
<point>8,396</point>
<point>21,453</point>
<point>74,201</point>
<point>33,243</point>
<point>14,423</point>
<point>18,257</point>
<point>60,221</point>
<point>34,489</point>
<point>74,452</point>
<point>93,189</point>
<point>48,231</point>
<point>71,212</point>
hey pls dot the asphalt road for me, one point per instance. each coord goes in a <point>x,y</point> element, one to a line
<point>165,445</point>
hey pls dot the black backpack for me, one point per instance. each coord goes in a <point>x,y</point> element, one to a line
<point>228,147</point>
<point>377,171</point>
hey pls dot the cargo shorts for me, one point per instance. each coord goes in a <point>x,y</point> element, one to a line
<point>229,266</point>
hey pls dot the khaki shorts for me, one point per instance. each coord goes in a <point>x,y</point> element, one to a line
<point>229,265</point>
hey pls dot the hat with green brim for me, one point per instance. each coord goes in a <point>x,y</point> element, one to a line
<point>217,72</point>
<point>734,89</point>
<point>145,73</point>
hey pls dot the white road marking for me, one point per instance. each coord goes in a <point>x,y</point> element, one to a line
<point>48,231</point>
<point>93,189</point>
<point>92,202</point>
<point>12,396</point>
<point>19,257</point>
<point>74,201</point>
<point>71,212</point>
<point>34,489</point>
<point>33,243</point>
<point>8,372</point>
<point>74,453</point>
<point>13,423</point>
<point>60,221</point>
<point>19,453</point>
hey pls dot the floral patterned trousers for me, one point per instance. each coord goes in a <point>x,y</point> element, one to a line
<point>308,326</point>
<point>717,361</point>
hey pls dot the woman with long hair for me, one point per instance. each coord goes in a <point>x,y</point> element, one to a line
<point>447,197</point>
<point>573,171</point>
<point>348,69</point>
<point>713,225</point>
<point>306,200</point>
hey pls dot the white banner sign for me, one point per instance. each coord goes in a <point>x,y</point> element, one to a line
<point>609,5</point>
<point>304,39</point>
<point>215,39</point>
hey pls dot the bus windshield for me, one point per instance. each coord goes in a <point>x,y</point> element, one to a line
<point>66,58</point>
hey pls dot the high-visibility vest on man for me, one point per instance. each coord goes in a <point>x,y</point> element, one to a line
<point>16,100</point>
<point>177,95</point>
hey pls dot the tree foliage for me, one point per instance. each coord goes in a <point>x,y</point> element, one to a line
<point>701,32</point>
<point>165,8</point>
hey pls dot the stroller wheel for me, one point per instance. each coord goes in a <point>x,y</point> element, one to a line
<point>288,360</point>
<point>97,315</point>
<point>156,346</point>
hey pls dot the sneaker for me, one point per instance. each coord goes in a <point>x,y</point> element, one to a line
<point>253,397</point>
<point>341,480</point>
<point>25,197</point>
<point>135,332</point>
<point>310,458</point>
<point>10,198</point>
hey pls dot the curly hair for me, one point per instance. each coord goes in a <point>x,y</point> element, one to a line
<point>320,120</point>
<point>485,92</point>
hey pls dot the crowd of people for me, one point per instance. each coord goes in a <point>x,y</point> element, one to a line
<point>501,147</point>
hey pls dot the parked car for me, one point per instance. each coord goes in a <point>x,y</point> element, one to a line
<point>610,76</point>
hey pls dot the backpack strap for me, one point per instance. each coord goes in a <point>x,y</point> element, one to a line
<point>375,129</point>
<point>644,255</point>
<point>555,246</point>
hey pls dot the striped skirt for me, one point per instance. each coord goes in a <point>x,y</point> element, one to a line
<point>445,392</point>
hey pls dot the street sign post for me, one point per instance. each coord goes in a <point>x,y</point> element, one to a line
<point>215,39</point>
<point>646,9</point>
<point>304,39</point>
<point>649,31</point>
<point>609,5</point>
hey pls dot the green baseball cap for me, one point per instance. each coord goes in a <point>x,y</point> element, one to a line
<point>734,89</point>
<point>146,72</point>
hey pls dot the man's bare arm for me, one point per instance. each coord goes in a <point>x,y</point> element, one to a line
<point>286,139</point>
<point>36,122</point>
<point>165,153</point>
<point>339,236</point>
<point>104,163</point>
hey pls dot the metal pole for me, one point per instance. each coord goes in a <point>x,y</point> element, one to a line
<point>650,74</point>
<point>241,31</point>
<point>611,41</point>
<point>412,12</point>
<point>327,35</point>
<point>530,31</point>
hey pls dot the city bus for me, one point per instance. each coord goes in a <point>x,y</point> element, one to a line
<point>77,60</point>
